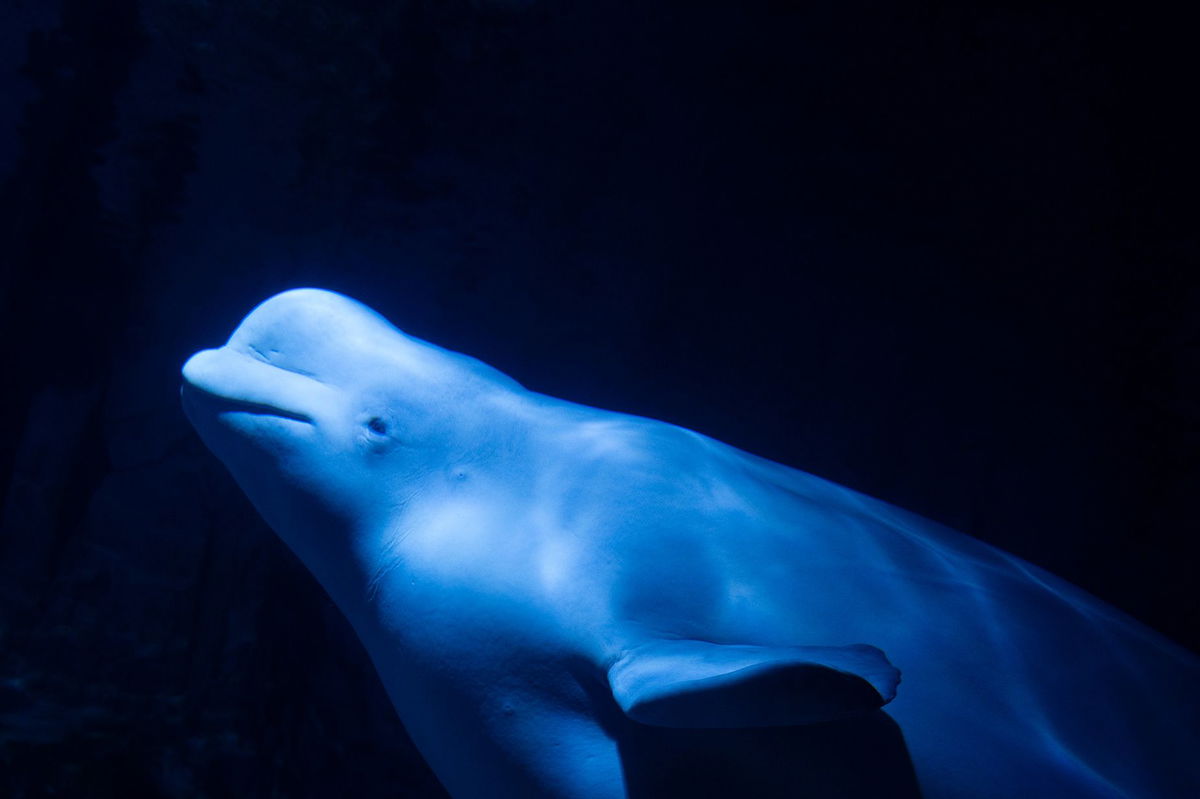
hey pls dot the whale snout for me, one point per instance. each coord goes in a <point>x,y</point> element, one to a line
<point>224,380</point>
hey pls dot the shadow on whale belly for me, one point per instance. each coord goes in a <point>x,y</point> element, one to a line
<point>860,758</point>
<point>567,602</point>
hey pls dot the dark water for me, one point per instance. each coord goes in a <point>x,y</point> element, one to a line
<point>938,255</point>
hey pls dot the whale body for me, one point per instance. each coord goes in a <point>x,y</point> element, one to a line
<point>563,601</point>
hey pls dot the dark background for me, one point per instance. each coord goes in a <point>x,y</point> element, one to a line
<point>941,254</point>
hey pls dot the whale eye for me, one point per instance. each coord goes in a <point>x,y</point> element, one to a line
<point>376,425</point>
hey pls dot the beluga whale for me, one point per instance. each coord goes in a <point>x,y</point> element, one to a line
<point>563,601</point>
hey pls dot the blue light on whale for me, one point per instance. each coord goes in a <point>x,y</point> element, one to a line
<point>568,602</point>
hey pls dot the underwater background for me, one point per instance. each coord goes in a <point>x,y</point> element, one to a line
<point>938,253</point>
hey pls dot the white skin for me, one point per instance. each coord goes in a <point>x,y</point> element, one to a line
<point>373,454</point>
<point>509,559</point>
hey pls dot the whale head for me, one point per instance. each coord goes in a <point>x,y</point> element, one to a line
<point>329,418</point>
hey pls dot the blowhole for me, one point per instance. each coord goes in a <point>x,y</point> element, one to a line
<point>376,425</point>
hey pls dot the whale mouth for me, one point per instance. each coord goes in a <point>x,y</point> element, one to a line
<point>227,383</point>
<point>225,404</point>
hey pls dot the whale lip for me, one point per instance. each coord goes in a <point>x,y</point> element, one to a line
<point>225,404</point>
